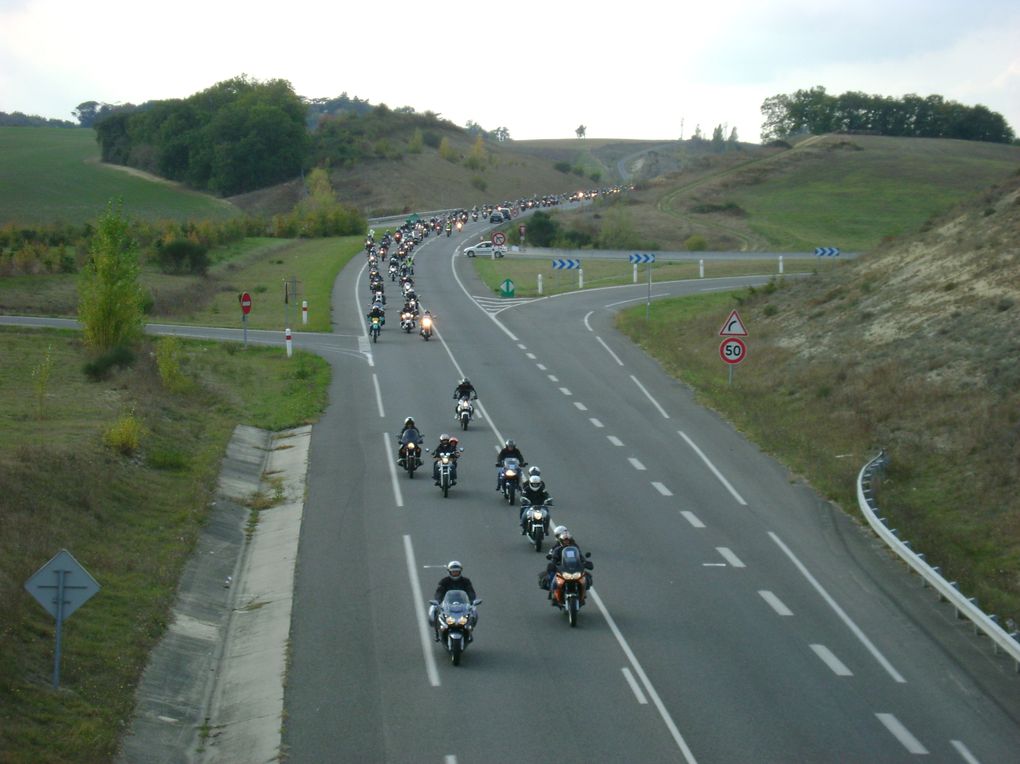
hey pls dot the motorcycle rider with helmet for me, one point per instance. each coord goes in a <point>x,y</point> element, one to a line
<point>445,446</point>
<point>564,538</point>
<point>509,450</point>
<point>409,433</point>
<point>534,491</point>
<point>377,312</point>
<point>464,389</point>
<point>534,471</point>
<point>454,580</point>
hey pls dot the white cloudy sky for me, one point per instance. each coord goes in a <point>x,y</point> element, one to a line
<point>629,69</point>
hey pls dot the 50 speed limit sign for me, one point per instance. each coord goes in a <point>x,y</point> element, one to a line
<point>732,350</point>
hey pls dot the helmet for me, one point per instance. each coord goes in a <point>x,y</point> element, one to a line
<point>465,381</point>
<point>409,422</point>
<point>534,471</point>
<point>454,442</point>
<point>559,530</point>
<point>510,443</point>
<point>453,567</point>
<point>564,536</point>
<point>535,481</point>
<point>444,438</point>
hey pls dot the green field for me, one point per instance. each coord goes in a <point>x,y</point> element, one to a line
<point>50,175</point>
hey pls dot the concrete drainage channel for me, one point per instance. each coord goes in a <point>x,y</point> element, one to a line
<point>213,687</point>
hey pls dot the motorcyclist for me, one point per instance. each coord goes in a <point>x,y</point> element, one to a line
<point>426,321</point>
<point>534,491</point>
<point>464,387</point>
<point>377,312</point>
<point>409,433</point>
<point>509,450</point>
<point>445,446</point>
<point>453,581</point>
<point>564,538</point>
<point>534,471</point>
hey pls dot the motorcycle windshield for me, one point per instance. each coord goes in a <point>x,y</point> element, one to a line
<point>410,436</point>
<point>511,464</point>
<point>456,600</point>
<point>571,560</point>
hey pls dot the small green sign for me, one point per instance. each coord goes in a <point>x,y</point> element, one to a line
<point>507,288</point>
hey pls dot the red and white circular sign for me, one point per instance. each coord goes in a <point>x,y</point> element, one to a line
<point>733,350</point>
<point>246,303</point>
<point>498,239</point>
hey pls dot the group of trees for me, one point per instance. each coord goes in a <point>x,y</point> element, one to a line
<point>815,111</point>
<point>17,119</point>
<point>236,136</point>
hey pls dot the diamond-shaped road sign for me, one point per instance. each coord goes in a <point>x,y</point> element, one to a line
<point>64,573</point>
<point>565,264</point>
<point>642,258</point>
<point>826,251</point>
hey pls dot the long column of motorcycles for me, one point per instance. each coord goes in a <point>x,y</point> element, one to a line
<point>566,577</point>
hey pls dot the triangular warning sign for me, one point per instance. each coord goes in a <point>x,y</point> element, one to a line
<point>733,327</point>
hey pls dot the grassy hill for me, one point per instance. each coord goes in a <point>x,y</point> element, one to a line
<point>50,175</point>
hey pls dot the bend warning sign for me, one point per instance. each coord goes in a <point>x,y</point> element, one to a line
<point>733,327</point>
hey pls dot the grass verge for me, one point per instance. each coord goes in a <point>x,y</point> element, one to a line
<point>131,519</point>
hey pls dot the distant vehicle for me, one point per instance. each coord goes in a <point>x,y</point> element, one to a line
<point>506,213</point>
<point>495,217</point>
<point>485,249</point>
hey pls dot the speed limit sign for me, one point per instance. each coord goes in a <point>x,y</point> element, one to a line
<point>732,350</point>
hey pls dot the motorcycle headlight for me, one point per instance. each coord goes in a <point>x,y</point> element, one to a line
<point>449,620</point>
<point>536,514</point>
<point>571,576</point>
<point>510,473</point>
<point>462,621</point>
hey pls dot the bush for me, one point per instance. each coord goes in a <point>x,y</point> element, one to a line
<point>99,368</point>
<point>168,359</point>
<point>479,182</point>
<point>182,256</point>
<point>431,139</point>
<point>124,435</point>
<point>563,167</point>
<point>695,243</point>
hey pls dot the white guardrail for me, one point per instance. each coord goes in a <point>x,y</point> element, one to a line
<point>932,575</point>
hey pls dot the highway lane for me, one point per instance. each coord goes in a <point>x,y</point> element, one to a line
<point>744,603</point>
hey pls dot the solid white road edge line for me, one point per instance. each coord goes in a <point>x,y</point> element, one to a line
<point>423,620</point>
<point>901,733</point>
<point>363,342</point>
<point>586,317</point>
<point>634,686</point>
<point>453,269</point>
<point>854,628</point>
<point>964,752</point>
<point>398,495</point>
<point>724,481</point>
<point>649,396</point>
<point>656,700</point>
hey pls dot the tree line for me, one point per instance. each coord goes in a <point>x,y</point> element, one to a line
<point>815,111</point>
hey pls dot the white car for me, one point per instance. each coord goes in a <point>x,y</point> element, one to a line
<point>485,249</point>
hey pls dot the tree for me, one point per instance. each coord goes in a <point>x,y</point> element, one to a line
<point>86,113</point>
<point>733,140</point>
<point>110,296</point>
<point>502,134</point>
<point>581,131</point>
<point>717,139</point>
<point>446,151</point>
<point>478,156</point>
<point>416,143</point>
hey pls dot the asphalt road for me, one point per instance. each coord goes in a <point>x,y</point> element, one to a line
<point>736,616</point>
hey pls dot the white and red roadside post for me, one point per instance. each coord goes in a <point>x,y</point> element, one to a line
<point>288,337</point>
<point>304,312</point>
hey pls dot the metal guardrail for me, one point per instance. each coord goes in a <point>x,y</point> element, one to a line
<point>966,607</point>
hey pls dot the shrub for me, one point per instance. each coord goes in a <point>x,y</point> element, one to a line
<point>168,359</point>
<point>99,368</point>
<point>182,256</point>
<point>563,167</point>
<point>479,182</point>
<point>431,139</point>
<point>124,435</point>
<point>695,243</point>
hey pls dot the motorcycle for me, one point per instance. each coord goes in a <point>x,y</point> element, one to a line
<point>465,412</point>
<point>410,457</point>
<point>510,479</point>
<point>453,620</point>
<point>375,328</point>
<point>426,328</point>
<point>393,273</point>
<point>570,582</point>
<point>407,321</point>
<point>447,463</point>
<point>536,521</point>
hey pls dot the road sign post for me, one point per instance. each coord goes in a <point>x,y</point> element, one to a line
<point>649,258</point>
<point>245,300</point>
<point>732,350</point>
<point>507,288</point>
<point>61,586</point>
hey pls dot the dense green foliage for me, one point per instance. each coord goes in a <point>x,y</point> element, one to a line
<point>817,112</point>
<point>17,119</point>
<point>236,136</point>
<point>349,137</point>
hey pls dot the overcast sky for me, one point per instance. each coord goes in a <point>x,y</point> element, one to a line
<point>630,69</point>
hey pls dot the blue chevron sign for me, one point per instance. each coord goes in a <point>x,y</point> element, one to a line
<point>565,264</point>
<point>826,251</point>
<point>640,258</point>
